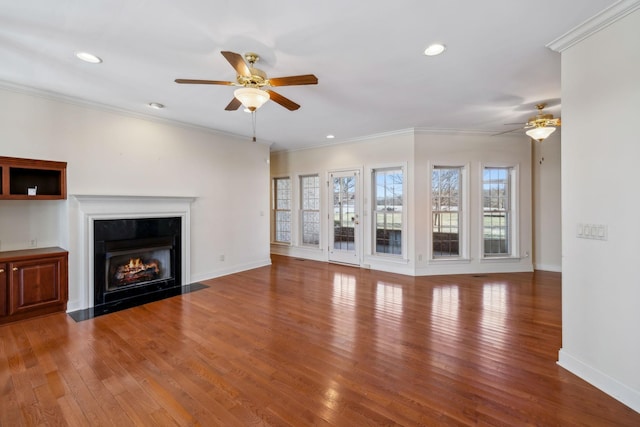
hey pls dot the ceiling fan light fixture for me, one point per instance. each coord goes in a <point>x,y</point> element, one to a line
<point>540,133</point>
<point>251,97</point>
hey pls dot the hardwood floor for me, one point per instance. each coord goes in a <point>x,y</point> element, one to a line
<point>306,343</point>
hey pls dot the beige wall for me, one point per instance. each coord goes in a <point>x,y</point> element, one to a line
<point>418,151</point>
<point>109,153</point>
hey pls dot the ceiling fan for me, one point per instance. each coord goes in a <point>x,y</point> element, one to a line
<point>252,81</point>
<point>541,125</point>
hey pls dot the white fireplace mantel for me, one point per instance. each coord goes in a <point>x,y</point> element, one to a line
<point>89,208</point>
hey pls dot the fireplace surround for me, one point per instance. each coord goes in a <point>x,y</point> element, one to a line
<point>85,210</point>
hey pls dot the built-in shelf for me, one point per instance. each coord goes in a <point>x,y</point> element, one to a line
<point>28,179</point>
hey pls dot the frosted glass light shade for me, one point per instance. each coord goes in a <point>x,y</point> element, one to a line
<point>251,97</point>
<point>540,133</point>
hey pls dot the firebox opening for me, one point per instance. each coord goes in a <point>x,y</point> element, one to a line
<point>137,267</point>
<point>136,259</point>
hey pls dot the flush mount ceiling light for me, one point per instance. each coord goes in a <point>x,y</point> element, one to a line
<point>330,136</point>
<point>156,105</point>
<point>88,57</point>
<point>252,98</point>
<point>435,49</point>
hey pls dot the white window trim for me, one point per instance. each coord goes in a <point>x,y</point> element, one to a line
<point>273,210</point>
<point>464,219</point>
<point>515,213</point>
<point>369,212</point>
<point>298,191</point>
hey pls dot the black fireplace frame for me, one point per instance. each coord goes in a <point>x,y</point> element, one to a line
<point>132,233</point>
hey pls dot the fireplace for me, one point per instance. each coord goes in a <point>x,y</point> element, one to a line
<point>136,260</point>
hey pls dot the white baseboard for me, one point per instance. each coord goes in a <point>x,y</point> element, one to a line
<point>549,267</point>
<point>604,382</point>
<point>229,270</point>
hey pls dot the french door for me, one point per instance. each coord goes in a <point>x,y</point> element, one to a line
<point>345,226</point>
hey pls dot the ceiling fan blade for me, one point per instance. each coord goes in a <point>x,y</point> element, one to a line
<point>204,82</point>
<point>237,62</point>
<point>305,79</point>
<point>233,105</point>
<point>285,102</point>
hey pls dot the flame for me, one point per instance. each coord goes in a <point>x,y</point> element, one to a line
<point>134,263</point>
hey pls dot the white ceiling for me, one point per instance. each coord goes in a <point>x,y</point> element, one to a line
<point>367,55</point>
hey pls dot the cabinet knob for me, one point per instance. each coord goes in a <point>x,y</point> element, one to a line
<point>15,268</point>
<point>1,270</point>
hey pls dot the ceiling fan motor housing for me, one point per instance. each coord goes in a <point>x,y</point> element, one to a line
<point>258,78</point>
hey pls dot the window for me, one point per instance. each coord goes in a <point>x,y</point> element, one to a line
<point>497,211</point>
<point>282,209</point>
<point>310,209</point>
<point>387,210</point>
<point>446,211</point>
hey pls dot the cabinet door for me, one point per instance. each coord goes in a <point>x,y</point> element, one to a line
<point>3,289</point>
<point>35,284</point>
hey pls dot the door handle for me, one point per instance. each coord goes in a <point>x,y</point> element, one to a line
<point>15,268</point>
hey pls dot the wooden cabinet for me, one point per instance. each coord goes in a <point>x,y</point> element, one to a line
<point>26,179</point>
<point>33,282</point>
<point>3,289</point>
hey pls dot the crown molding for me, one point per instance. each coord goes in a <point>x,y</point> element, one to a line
<point>79,102</point>
<point>592,25</point>
<point>400,132</point>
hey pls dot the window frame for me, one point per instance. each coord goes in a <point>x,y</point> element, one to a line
<point>464,219</point>
<point>402,167</point>
<point>302,210</point>
<point>513,222</point>
<point>276,210</point>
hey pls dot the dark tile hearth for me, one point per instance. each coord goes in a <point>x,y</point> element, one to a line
<point>112,307</point>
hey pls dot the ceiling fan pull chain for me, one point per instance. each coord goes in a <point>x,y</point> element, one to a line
<point>253,124</point>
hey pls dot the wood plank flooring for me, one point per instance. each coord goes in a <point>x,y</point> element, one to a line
<point>305,343</point>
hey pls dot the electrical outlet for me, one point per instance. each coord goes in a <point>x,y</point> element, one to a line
<point>222,257</point>
<point>33,243</point>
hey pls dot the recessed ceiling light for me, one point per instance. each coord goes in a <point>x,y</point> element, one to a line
<point>330,136</point>
<point>156,105</point>
<point>435,49</point>
<point>88,57</point>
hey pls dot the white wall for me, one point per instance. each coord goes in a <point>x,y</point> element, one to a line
<point>110,153</point>
<point>473,152</point>
<point>418,150</point>
<point>600,176</point>
<point>547,224</point>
